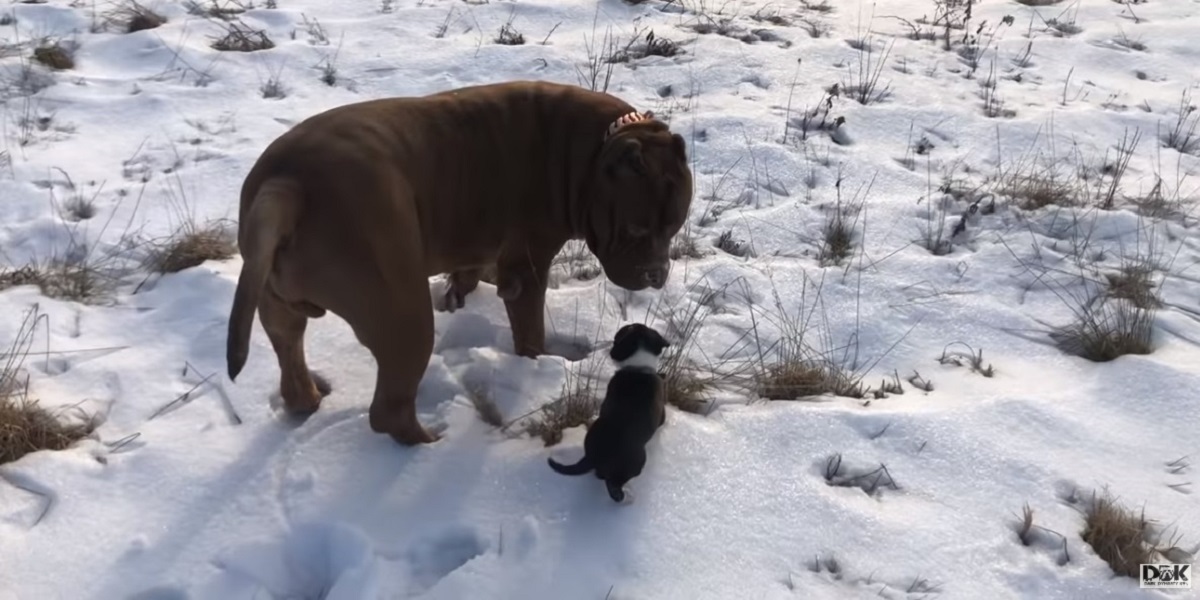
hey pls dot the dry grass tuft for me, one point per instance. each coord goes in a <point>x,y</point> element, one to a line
<point>685,245</point>
<point>576,405</point>
<point>240,37</point>
<point>1134,283</point>
<point>26,427</point>
<point>1106,329</point>
<point>1122,538</point>
<point>485,407</point>
<point>131,17</point>
<point>1025,530</point>
<point>77,280</point>
<point>685,385</point>
<point>791,368</point>
<point>191,246</point>
<point>1184,134</point>
<point>970,358</point>
<point>871,480</point>
<point>839,241</point>
<point>793,378</point>
<point>574,261</point>
<point>508,35</point>
<point>686,390</point>
<point>226,11</point>
<point>1040,187</point>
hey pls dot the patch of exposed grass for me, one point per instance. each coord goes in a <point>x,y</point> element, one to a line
<point>1125,539</point>
<point>55,55</point>
<point>26,427</point>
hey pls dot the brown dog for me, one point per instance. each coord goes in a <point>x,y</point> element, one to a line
<point>353,209</point>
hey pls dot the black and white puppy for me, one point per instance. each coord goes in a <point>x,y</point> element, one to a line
<point>634,408</point>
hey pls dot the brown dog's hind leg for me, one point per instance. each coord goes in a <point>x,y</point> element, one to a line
<point>384,303</point>
<point>401,343</point>
<point>285,328</point>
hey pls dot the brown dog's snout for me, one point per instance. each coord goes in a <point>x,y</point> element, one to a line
<point>655,276</point>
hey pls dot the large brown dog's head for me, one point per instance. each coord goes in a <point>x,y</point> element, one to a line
<point>639,198</point>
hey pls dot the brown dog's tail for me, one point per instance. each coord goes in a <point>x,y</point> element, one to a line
<point>583,466</point>
<point>273,216</point>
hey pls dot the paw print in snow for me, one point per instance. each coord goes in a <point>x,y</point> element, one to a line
<point>333,561</point>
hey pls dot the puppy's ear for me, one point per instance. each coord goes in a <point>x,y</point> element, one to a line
<point>627,158</point>
<point>660,343</point>
<point>624,344</point>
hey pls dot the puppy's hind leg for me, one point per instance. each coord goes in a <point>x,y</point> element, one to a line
<point>285,328</point>
<point>616,491</point>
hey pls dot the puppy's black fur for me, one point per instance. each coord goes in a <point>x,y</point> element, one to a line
<point>634,408</point>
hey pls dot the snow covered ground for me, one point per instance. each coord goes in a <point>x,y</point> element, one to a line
<point>220,497</point>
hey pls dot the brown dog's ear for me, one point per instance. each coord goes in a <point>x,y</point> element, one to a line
<point>679,145</point>
<point>627,157</point>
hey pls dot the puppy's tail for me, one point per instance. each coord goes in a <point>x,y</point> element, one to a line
<point>583,466</point>
<point>272,217</point>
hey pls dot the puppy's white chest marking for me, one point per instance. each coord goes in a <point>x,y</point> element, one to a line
<point>642,360</point>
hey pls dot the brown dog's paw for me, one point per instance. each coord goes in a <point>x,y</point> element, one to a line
<point>415,437</point>
<point>448,299</point>
<point>324,388</point>
<point>458,285</point>
<point>509,289</point>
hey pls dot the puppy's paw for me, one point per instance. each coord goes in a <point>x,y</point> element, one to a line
<point>618,493</point>
<point>626,498</point>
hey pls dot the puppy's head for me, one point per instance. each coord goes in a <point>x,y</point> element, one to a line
<point>638,199</point>
<point>634,341</point>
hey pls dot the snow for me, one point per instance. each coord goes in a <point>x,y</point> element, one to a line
<point>220,496</point>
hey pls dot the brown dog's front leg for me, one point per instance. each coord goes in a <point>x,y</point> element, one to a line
<point>523,288</point>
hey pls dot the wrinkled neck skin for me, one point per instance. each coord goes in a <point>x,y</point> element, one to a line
<point>579,199</point>
<point>642,360</point>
